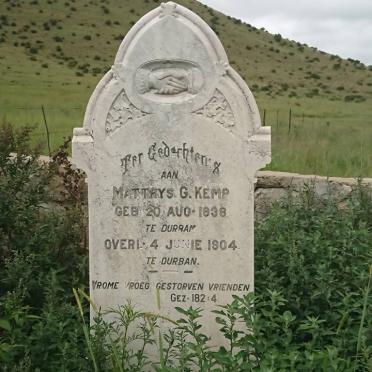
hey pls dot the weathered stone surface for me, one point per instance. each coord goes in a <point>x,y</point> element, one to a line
<point>264,199</point>
<point>272,186</point>
<point>171,144</point>
<point>285,180</point>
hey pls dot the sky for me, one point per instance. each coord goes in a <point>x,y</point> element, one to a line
<point>342,27</point>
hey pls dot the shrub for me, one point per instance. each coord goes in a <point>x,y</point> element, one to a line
<point>319,258</point>
<point>72,63</point>
<point>40,256</point>
<point>58,39</point>
<point>284,86</point>
<point>354,98</point>
<point>119,37</point>
<point>105,9</point>
<point>337,66</point>
<point>313,75</point>
<point>278,37</point>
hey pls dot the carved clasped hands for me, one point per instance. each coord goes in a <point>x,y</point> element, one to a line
<point>171,81</point>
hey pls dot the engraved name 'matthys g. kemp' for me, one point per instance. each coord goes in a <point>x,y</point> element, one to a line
<point>171,142</point>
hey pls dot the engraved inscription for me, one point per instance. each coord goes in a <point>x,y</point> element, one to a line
<point>121,111</point>
<point>162,150</point>
<point>218,110</point>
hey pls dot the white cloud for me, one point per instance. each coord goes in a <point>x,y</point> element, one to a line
<point>342,27</point>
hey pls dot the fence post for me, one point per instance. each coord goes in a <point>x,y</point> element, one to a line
<point>47,130</point>
<point>264,117</point>
<point>277,119</point>
<point>290,121</point>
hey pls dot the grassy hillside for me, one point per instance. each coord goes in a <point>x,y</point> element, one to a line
<point>53,53</point>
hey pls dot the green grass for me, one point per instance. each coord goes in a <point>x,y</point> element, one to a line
<point>54,52</point>
<point>332,144</point>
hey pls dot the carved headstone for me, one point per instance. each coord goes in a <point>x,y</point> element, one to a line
<point>170,145</point>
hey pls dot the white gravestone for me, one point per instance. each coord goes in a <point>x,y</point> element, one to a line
<point>170,145</point>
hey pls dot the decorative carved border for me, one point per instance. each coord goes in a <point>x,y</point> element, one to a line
<point>121,111</point>
<point>219,110</point>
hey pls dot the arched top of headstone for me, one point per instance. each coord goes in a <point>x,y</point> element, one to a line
<point>171,63</point>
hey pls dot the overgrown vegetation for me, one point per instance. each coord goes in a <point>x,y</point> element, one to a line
<point>41,258</point>
<point>311,310</point>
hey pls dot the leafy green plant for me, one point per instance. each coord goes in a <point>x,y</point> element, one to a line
<point>311,310</point>
<point>41,254</point>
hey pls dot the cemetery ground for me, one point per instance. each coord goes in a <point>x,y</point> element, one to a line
<point>312,301</point>
<point>51,56</point>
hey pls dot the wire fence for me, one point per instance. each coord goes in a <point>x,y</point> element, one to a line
<point>52,123</point>
<point>302,141</point>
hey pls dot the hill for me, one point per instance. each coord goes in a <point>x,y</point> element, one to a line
<point>53,53</point>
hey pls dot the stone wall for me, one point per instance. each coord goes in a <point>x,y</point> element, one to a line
<point>272,186</point>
